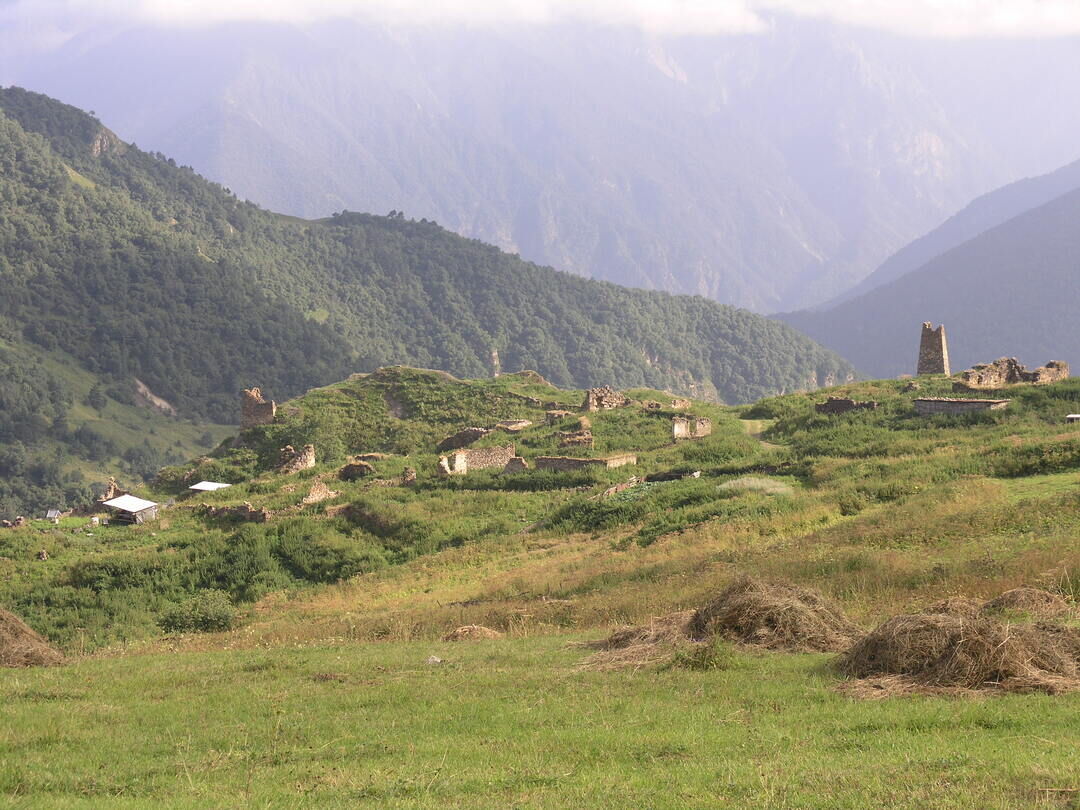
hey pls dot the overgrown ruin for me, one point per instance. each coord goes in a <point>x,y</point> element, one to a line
<point>462,462</point>
<point>255,410</point>
<point>834,405</point>
<point>292,460</point>
<point>689,428</point>
<point>928,406</point>
<point>604,398</point>
<point>564,463</point>
<point>933,351</point>
<point>1008,371</point>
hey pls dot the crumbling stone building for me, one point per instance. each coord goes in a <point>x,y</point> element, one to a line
<point>460,462</point>
<point>1009,371</point>
<point>254,410</point>
<point>933,351</point>
<point>604,398</point>
<point>844,405</point>
<point>928,406</point>
<point>563,464</point>
<point>688,428</point>
<point>293,461</point>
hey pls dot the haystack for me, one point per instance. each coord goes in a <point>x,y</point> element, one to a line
<point>961,652</point>
<point>638,646</point>
<point>472,632</point>
<point>775,616</point>
<point>22,647</point>
<point>1033,601</point>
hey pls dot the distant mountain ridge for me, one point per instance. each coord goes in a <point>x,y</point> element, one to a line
<point>769,171</point>
<point>1010,291</point>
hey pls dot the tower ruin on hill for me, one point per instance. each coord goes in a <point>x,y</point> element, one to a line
<point>254,409</point>
<point>933,351</point>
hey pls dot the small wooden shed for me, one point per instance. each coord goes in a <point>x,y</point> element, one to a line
<point>130,509</point>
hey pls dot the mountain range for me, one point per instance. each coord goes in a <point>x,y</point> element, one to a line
<point>770,170</point>
<point>121,264</point>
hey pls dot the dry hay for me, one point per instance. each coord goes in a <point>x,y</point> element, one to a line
<point>775,616</point>
<point>1033,601</point>
<point>955,606</point>
<point>636,647</point>
<point>943,651</point>
<point>472,632</point>
<point>22,647</point>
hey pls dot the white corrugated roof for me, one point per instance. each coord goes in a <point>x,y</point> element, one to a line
<point>129,503</point>
<point>208,486</point>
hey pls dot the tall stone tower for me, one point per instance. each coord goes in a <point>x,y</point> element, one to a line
<point>933,351</point>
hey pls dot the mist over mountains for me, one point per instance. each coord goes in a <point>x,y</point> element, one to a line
<point>770,170</point>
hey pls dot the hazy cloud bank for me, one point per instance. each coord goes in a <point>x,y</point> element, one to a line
<point>940,18</point>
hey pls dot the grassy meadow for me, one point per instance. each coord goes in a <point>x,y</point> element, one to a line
<point>321,693</point>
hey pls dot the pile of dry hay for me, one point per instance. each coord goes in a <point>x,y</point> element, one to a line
<point>767,615</point>
<point>958,645</point>
<point>22,647</point>
<point>472,632</point>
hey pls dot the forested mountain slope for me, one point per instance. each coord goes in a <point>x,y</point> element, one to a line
<point>1011,291</point>
<point>769,170</point>
<point>137,268</point>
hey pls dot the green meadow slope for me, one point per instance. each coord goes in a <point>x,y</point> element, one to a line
<point>320,676</point>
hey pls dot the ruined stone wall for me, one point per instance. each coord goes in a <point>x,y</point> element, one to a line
<point>844,405</point>
<point>464,461</point>
<point>688,428</point>
<point>1008,371</point>
<point>564,464</point>
<point>463,438</point>
<point>933,405</point>
<point>604,398</point>
<point>254,410</point>
<point>933,351</point>
<point>293,461</point>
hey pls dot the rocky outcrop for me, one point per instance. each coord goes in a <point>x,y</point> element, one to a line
<point>292,460</point>
<point>1008,371</point>
<point>834,405</point>
<point>604,398</point>
<point>463,438</point>
<point>145,398</point>
<point>254,410</point>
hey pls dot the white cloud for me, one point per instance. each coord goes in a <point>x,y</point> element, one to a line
<point>948,18</point>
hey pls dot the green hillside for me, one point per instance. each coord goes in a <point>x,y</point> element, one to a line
<point>299,656</point>
<point>129,267</point>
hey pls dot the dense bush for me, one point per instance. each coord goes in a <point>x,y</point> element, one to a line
<point>206,612</point>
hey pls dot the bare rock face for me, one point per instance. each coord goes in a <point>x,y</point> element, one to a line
<point>146,398</point>
<point>293,460</point>
<point>604,398</point>
<point>463,438</point>
<point>1008,371</point>
<point>254,410</point>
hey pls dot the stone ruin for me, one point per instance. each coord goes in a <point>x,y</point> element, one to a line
<point>582,437</point>
<point>689,428</point>
<point>463,438</point>
<point>933,351</point>
<point>292,460</point>
<point>515,465</point>
<point>555,416</point>
<point>928,406</point>
<point>355,470</point>
<point>318,493</point>
<point>671,405</point>
<point>254,410</point>
<point>563,463</point>
<point>245,512</point>
<point>834,405</point>
<point>462,462</point>
<point>604,398</point>
<point>513,425</point>
<point>18,523</point>
<point>1009,371</point>
<point>112,490</point>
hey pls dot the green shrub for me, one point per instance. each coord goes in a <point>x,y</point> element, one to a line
<point>206,612</point>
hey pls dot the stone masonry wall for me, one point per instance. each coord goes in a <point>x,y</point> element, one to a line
<point>564,464</point>
<point>844,405</point>
<point>930,406</point>
<point>1009,371</point>
<point>688,428</point>
<point>933,351</point>
<point>604,398</point>
<point>464,461</point>
<point>254,410</point>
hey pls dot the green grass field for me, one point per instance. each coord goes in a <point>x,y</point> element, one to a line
<point>321,695</point>
<point>511,723</point>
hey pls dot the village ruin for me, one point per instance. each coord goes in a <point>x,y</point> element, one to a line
<point>255,410</point>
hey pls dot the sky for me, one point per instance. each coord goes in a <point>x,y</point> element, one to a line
<point>935,18</point>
